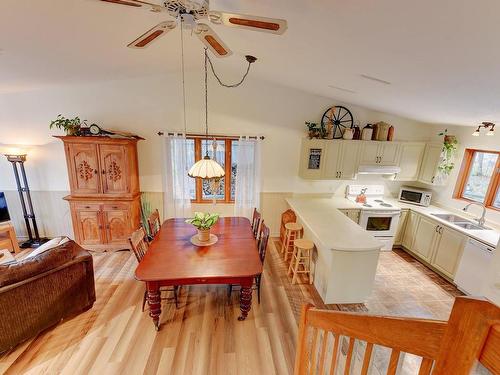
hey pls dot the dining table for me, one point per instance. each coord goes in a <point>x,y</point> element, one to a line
<point>173,260</point>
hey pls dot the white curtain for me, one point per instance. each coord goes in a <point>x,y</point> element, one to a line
<point>248,182</point>
<point>177,183</point>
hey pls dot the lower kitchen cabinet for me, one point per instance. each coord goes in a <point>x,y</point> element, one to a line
<point>448,251</point>
<point>352,214</point>
<point>436,245</point>
<point>425,237</point>
<point>410,227</point>
<point>400,231</point>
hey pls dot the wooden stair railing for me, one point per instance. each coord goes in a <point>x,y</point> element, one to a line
<point>330,341</point>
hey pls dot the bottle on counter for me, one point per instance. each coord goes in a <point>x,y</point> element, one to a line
<point>357,132</point>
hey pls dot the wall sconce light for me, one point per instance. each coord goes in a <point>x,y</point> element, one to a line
<point>486,125</point>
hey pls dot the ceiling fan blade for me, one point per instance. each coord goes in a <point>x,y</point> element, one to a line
<point>210,39</point>
<point>152,34</point>
<point>137,4</point>
<point>268,25</point>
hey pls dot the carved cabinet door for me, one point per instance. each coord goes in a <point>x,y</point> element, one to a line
<point>114,169</point>
<point>117,226</point>
<point>89,226</point>
<point>84,168</point>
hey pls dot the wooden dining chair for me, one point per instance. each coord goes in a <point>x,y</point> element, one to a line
<point>261,248</point>
<point>154,223</point>
<point>256,222</point>
<point>140,247</point>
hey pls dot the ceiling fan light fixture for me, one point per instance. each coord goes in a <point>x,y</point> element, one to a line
<point>476,133</point>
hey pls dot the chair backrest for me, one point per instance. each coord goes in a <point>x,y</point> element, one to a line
<point>256,222</point>
<point>154,223</point>
<point>286,217</point>
<point>263,239</point>
<point>138,243</point>
<point>471,334</point>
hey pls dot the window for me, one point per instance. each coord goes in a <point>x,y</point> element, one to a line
<point>479,178</point>
<point>204,191</point>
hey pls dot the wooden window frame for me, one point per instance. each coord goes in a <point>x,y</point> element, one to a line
<point>227,167</point>
<point>464,173</point>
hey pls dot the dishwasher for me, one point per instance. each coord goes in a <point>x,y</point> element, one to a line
<point>473,267</point>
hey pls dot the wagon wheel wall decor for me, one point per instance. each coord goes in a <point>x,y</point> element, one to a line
<point>338,119</point>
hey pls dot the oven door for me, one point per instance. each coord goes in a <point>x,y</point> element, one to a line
<point>380,223</point>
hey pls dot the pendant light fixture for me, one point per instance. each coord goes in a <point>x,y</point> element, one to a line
<point>206,168</point>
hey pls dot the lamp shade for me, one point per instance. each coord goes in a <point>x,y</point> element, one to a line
<point>206,168</point>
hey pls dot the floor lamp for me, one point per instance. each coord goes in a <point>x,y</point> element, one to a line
<point>26,203</point>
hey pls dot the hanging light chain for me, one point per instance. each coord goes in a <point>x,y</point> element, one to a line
<point>250,60</point>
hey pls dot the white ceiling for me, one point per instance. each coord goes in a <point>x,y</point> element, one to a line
<point>441,57</point>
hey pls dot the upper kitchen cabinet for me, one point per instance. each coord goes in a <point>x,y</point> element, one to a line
<point>379,153</point>
<point>410,160</point>
<point>102,166</point>
<point>312,159</point>
<point>329,159</point>
<point>341,161</point>
<point>430,164</point>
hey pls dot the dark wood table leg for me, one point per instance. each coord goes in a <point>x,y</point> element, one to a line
<point>154,303</point>
<point>245,298</point>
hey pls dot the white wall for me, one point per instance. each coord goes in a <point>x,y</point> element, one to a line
<point>147,105</point>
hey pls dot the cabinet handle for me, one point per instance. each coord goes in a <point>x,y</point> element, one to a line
<point>107,226</point>
<point>340,174</point>
<point>95,171</point>
<point>87,207</point>
<point>441,230</point>
<point>437,228</point>
<point>103,171</point>
<point>99,218</point>
<point>432,179</point>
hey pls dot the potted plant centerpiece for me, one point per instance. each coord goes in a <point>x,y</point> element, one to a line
<point>203,222</point>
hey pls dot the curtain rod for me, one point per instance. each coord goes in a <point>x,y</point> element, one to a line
<point>196,135</point>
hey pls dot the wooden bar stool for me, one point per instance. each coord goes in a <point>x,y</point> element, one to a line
<point>302,256</point>
<point>293,231</point>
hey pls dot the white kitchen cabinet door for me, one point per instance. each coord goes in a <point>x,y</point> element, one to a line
<point>388,153</point>
<point>369,153</point>
<point>312,163</point>
<point>332,160</point>
<point>425,236</point>
<point>430,163</point>
<point>448,251</point>
<point>410,160</point>
<point>410,228</point>
<point>400,231</point>
<point>349,156</point>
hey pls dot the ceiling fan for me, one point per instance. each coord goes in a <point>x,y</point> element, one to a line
<point>192,13</point>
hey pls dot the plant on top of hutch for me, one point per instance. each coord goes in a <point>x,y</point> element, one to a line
<point>105,195</point>
<point>70,126</point>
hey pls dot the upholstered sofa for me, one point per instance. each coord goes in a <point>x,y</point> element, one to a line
<point>38,292</point>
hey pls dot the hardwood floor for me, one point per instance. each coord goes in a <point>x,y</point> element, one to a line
<point>203,336</point>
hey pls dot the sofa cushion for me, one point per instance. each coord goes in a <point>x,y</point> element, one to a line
<point>46,261</point>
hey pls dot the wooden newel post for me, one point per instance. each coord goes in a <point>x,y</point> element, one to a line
<point>465,335</point>
<point>301,355</point>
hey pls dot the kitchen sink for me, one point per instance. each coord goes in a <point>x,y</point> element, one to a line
<point>471,226</point>
<point>454,219</point>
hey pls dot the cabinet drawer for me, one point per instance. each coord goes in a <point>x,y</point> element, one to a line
<point>87,206</point>
<point>116,206</point>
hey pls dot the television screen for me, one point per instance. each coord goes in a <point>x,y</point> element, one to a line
<point>4,211</point>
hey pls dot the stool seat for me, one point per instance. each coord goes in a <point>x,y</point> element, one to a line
<point>293,226</point>
<point>304,244</point>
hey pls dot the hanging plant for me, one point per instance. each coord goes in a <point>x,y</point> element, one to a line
<point>448,152</point>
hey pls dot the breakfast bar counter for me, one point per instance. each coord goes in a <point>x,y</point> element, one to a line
<point>347,256</point>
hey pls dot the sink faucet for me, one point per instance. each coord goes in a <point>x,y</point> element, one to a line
<point>481,220</point>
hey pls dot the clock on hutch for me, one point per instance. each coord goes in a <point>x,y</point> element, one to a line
<point>105,196</point>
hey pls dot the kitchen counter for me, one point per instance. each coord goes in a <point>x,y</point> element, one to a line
<point>332,228</point>
<point>346,256</point>
<point>489,237</point>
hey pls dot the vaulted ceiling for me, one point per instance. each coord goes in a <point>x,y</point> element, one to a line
<point>439,59</point>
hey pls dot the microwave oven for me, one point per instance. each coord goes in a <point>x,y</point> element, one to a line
<point>413,195</point>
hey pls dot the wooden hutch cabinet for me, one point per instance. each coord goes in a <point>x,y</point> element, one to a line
<point>104,183</point>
